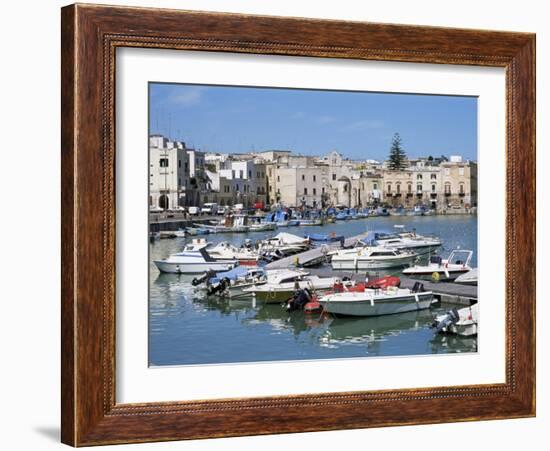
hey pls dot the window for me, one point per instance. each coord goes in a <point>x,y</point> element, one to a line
<point>398,188</point>
<point>419,188</point>
<point>461,188</point>
<point>447,188</point>
<point>409,188</point>
<point>303,177</point>
<point>163,163</point>
<point>433,188</point>
<point>305,191</point>
<point>389,187</point>
<point>179,163</point>
<point>460,171</point>
<point>278,178</point>
<point>333,176</point>
<point>419,177</point>
<point>314,191</point>
<point>314,178</point>
<point>345,188</point>
<point>433,176</point>
<point>249,174</point>
<point>375,186</point>
<point>270,188</point>
<point>241,174</point>
<point>323,190</point>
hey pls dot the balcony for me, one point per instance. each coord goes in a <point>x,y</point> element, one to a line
<point>397,195</point>
<point>419,194</point>
<point>388,194</point>
<point>409,194</point>
<point>433,195</point>
<point>447,193</point>
<point>461,194</point>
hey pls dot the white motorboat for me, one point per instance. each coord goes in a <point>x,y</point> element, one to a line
<point>372,257</point>
<point>405,239</point>
<point>225,251</point>
<point>285,244</point>
<point>377,302</point>
<point>456,264</point>
<point>282,285</point>
<point>461,322</point>
<point>469,278</point>
<point>193,259</point>
<point>224,284</point>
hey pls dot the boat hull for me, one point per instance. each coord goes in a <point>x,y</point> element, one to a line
<point>429,275</point>
<point>390,306</point>
<point>192,268</point>
<point>358,263</point>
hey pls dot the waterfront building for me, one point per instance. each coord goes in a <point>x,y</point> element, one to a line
<point>183,176</point>
<point>459,183</point>
<point>243,182</point>
<point>176,174</point>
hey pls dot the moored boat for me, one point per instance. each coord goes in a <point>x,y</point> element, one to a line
<point>405,239</point>
<point>224,251</point>
<point>461,322</point>
<point>377,302</point>
<point>372,257</point>
<point>193,259</point>
<point>469,278</point>
<point>284,284</point>
<point>456,264</point>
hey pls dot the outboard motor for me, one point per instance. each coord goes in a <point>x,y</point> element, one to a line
<point>418,287</point>
<point>300,298</point>
<point>444,321</point>
<point>219,288</point>
<point>204,278</point>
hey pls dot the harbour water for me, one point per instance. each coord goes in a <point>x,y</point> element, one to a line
<point>188,328</point>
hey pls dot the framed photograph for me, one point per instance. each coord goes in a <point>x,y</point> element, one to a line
<point>275,225</point>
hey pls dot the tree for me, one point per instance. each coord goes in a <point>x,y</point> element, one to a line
<point>398,157</point>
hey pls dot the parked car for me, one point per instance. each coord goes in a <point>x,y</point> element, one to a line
<point>194,211</point>
<point>238,207</point>
<point>222,210</point>
<point>209,208</point>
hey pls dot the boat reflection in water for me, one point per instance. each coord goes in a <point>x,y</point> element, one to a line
<point>380,335</point>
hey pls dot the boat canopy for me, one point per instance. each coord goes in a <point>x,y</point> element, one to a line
<point>233,274</point>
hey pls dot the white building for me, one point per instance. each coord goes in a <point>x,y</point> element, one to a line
<point>176,174</point>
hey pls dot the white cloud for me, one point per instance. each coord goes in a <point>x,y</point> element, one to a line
<point>187,96</point>
<point>366,124</point>
<point>325,119</point>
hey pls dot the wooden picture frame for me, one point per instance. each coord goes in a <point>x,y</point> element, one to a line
<point>90,36</point>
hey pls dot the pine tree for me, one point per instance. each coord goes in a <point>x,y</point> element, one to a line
<point>398,157</point>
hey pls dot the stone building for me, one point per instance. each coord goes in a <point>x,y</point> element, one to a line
<point>176,174</point>
<point>459,183</point>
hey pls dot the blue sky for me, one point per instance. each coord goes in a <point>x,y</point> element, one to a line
<point>358,124</point>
